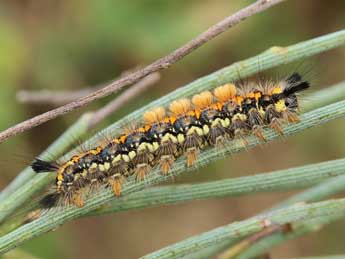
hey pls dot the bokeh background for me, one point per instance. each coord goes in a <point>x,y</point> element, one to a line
<point>70,44</point>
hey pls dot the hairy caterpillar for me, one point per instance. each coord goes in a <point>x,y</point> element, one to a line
<point>207,119</point>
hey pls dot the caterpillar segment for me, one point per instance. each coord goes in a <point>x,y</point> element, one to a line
<point>140,152</point>
<point>163,138</point>
<point>188,128</point>
<point>213,121</point>
<point>115,165</point>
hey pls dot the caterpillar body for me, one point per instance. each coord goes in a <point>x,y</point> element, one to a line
<point>207,119</point>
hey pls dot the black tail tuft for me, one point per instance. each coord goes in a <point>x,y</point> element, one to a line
<point>40,166</point>
<point>49,201</point>
<point>295,84</point>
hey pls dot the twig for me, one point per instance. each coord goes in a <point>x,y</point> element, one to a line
<point>319,192</point>
<point>60,97</point>
<point>315,213</point>
<point>52,97</point>
<point>56,217</point>
<point>127,95</point>
<point>160,64</point>
<point>248,241</point>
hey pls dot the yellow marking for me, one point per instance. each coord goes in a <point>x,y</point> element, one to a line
<point>173,138</point>
<point>166,137</point>
<point>60,177</point>
<point>93,166</point>
<point>277,90</point>
<point>84,173</point>
<point>180,138</point>
<point>130,156</point>
<point>116,159</point>
<point>215,123</point>
<point>101,167</point>
<point>196,130</point>
<point>107,166</point>
<point>206,129</point>
<point>280,106</point>
<point>155,146</point>
<point>225,123</point>
<point>145,146</point>
<point>239,116</point>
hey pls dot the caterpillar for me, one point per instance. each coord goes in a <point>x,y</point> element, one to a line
<point>208,119</point>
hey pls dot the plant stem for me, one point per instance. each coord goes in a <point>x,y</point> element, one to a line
<point>316,213</point>
<point>282,180</point>
<point>323,97</point>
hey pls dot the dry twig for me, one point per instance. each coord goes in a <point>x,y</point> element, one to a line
<point>160,64</point>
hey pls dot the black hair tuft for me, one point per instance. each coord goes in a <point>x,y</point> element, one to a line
<point>295,84</point>
<point>40,166</point>
<point>49,201</point>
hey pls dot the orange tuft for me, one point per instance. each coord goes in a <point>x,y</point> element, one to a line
<point>257,95</point>
<point>180,107</point>
<point>292,117</point>
<point>78,200</point>
<point>225,92</point>
<point>191,156</point>
<point>141,171</point>
<point>116,185</point>
<point>203,100</point>
<point>239,100</point>
<point>250,95</point>
<point>275,125</point>
<point>166,164</point>
<point>258,133</point>
<point>123,138</point>
<point>155,115</point>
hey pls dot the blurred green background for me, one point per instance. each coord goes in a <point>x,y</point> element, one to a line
<point>70,44</point>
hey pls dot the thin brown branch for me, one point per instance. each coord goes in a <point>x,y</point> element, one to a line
<point>60,97</point>
<point>52,97</point>
<point>160,64</point>
<point>127,95</point>
<point>249,241</point>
